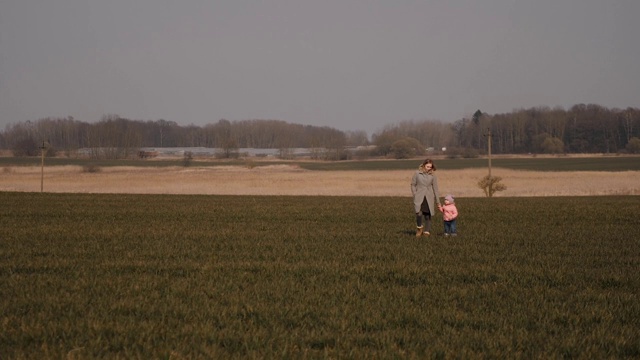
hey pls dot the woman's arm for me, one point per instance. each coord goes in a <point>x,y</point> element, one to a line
<point>414,184</point>
<point>436,191</point>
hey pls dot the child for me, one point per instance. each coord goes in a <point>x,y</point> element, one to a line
<point>450,214</point>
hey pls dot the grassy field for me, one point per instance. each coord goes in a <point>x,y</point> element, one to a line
<point>177,276</point>
<point>599,163</point>
<point>565,163</point>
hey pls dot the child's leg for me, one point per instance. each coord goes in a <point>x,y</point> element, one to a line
<point>453,226</point>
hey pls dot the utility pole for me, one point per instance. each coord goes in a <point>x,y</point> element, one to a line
<point>488,135</point>
<point>42,151</point>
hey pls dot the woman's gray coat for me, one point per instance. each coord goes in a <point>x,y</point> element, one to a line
<point>423,185</point>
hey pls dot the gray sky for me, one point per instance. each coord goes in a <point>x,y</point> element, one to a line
<point>348,64</point>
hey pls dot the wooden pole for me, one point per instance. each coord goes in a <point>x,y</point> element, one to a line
<point>42,149</point>
<point>489,137</point>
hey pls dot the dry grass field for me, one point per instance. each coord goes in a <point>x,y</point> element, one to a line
<point>292,180</point>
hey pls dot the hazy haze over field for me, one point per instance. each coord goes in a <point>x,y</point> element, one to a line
<point>352,65</point>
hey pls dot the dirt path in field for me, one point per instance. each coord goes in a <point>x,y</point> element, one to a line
<point>291,180</point>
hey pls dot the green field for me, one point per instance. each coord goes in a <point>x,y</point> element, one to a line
<point>167,276</point>
<point>596,163</point>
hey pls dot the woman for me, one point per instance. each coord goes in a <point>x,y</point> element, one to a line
<point>424,187</point>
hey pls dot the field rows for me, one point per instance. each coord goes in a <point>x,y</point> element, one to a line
<point>185,276</point>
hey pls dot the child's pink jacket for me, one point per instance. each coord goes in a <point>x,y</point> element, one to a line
<point>449,211</point>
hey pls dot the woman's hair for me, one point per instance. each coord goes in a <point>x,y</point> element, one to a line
<point>429,161</point>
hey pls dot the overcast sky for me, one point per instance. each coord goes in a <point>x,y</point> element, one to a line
<point>347,64</point>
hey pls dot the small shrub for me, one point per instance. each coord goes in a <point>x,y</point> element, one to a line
<point>552,145</point>
<point>337,155</point>
<point>470,153</point>
<point>363,154</point>
<point>491,184</point>
<point>285,153</point>
<point>406,148</point>
<point>91,168</point>
<point>51,152</point>
<point>227,154</point>
<point>187,158</point>
<point>633,146</point>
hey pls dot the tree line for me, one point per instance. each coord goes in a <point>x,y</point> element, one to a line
<point>581,129</point>
<point>116,137</point>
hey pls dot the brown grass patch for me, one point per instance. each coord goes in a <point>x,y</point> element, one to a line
<point>291,180</point>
